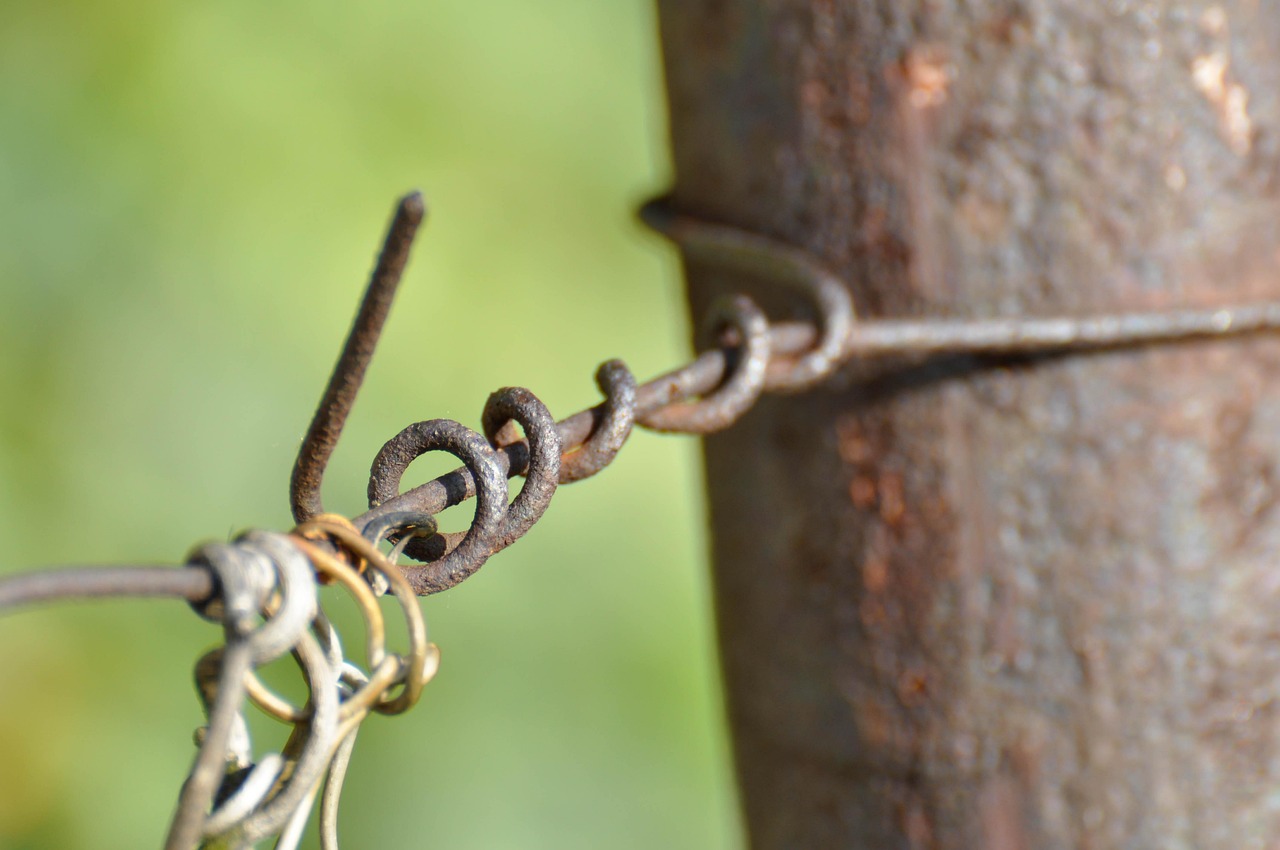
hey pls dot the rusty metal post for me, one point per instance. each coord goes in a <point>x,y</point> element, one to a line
<point>1000,604</point>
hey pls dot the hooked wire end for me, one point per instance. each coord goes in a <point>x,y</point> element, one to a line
<point>348,373</point>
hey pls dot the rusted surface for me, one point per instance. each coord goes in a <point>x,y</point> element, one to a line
<point>348,374</point>
<point>754,357</point>
<point>1021,604</point>
<point>750,356</point>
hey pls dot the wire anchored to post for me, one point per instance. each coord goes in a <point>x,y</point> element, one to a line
<point>745,356</point>
<point>230,797</point>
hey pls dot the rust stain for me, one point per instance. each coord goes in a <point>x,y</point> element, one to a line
<point>875,723</point>
<point>893,504</point>
<point>862,492</point>
<point>873,613</point>
<point>851,443</point>
<point>928,76</point>
<point>913,687</point>
<point>875,575</point>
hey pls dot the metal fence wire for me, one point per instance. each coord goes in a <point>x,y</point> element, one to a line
<point>262,588</point>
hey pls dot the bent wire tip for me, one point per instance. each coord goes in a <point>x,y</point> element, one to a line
<point>412,206</point>
<point>348,374</point>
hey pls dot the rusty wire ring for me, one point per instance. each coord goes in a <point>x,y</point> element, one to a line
<point>491,494</point>
<point>399,524</point>
<point>407,526</point>
<point>518,405</point>
<point>744,383</point>
<point>612,425</point>
<point>794,268</point>
<point>760,257</point>
<point>836,320</point>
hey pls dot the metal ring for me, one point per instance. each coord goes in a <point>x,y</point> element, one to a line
<point>744,383</point>
<point>774,262</point>
<point>298,603</point>
<point>424,658</point>
<point>491,494</point>
<point>612,425</point>
<point>311,756</point>
<point>397,523</point>
<point>836,320</point>
<point>542,474</point>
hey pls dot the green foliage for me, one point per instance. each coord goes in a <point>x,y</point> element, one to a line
<point>190,198</point>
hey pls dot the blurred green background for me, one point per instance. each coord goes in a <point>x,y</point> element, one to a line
<point>191,195</point>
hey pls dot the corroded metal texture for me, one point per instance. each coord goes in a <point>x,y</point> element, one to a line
<point>986,603</point>
<point>748,357</point>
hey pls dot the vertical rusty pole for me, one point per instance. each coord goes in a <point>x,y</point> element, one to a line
<point>1015,604</point>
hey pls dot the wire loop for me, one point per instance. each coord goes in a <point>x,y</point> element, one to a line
<point>542,472</point>
<point>736,250</point>
<point>262,587</point>
<point>230,799</point>
<point>737,317</point>
<point>470,552</point>
<point>612,424</point>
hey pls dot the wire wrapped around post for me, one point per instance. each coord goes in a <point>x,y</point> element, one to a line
<point>746,355</point>
<point>262,587</point>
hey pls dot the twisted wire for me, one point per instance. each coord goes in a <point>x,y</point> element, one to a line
<point>744,356</point>
<point>262,587</point>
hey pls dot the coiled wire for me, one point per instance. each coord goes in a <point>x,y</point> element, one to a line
<point>740,363</point>
<point>262,587</point>
<point>743,356</point>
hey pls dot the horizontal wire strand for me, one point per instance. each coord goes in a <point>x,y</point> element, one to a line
<point>786,342</point>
